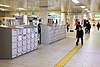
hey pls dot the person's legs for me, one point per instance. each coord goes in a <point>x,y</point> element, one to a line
<point>77,41</point>
<point>98,28</point>
<point>85,30</point>
<point>82,40</point>
<point>67,29</point>
<point>88,31</point>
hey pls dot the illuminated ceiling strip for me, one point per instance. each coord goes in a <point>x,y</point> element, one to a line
<point>88,11</point>
<point>3,9</point>
<point>82,6</point>
<point>76,1</point>
<point>4,5</point>
<point>85,9</point>
<point>21,9</point>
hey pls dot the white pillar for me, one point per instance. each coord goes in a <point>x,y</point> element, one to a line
<point>63,12</point>
<point>44,15</point>
<point>25,18</point>
<point>63,18</point>
<point>71,15</point>
<point>72,22</point>
<point>44,11</point>
<point>94,7</point>
<point>82,19</point>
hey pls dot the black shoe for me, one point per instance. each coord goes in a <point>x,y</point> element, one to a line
<point>76,44</point>
<point>81,43</point>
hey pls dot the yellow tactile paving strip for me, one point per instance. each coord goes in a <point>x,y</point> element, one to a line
<point>64,60</point>
<point>67,57</point>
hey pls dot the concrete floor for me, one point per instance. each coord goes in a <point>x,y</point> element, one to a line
<point>49,55</point>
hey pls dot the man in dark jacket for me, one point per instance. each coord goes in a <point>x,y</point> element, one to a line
<point>78,25</point>
<point>88,27</point>
<point>98,25</point>
<point>79,35</point>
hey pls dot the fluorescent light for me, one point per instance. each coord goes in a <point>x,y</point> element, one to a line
<point>85,9</point>
<point>76,1</point>
<point>4,5</point>
<point>88,11</point>
<point>82,6</point>
<point>21,9</point>
<point>3,9</point>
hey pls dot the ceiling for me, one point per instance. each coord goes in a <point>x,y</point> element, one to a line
<point>53,5</point>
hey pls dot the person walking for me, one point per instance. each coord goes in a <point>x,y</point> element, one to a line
<point>39,32</point>
<point>98,25</point>
<point>86,30</point>
<point>67,27</point>
<point>88,27</point>
<point>77,26</point>
<point>79,35</point>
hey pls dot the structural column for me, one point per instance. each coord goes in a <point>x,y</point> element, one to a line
<point>94,7</point>
<point>63,18</point>
<point>63,12</point>
<point>25,18</point>
<point>72,23</point>
<point>82,19</point>
<point>71,16</point>
<point>43,10</point>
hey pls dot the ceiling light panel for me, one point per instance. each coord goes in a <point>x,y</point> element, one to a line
<point>21,9</point>
<point>88,11</point>
<point>4,5</point>
<point>85,9</point>
<point>82,6</point>
<point>3,9</point>
<point>76,1</point>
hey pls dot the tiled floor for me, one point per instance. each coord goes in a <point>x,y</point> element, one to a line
<point>89,54</point>
<point>49,55</point>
